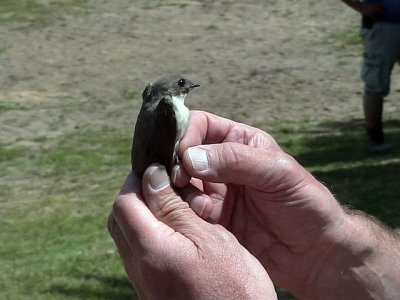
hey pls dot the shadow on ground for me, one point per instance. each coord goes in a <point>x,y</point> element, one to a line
<point>110,288</point>
<point>335,152</point>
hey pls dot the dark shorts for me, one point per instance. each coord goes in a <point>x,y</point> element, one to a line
<point>381,52</point>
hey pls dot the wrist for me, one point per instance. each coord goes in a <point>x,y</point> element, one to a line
<point>378,250</point>
<point>363,262</point>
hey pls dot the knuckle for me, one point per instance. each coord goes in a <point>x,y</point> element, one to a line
<point>223,235</point>
<point>223,240</point>
<point>118,206</point>
<point>111,224</point>
<point>286,163</point>
<point>230,157</point>
<point>172,209</point>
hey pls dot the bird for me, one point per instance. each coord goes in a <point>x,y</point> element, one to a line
<point>161,124</point>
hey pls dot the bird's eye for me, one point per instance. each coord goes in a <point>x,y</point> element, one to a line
<point>181,82</point>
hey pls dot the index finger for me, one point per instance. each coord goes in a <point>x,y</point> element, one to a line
<point>131,214</point>
<point>207,128</point>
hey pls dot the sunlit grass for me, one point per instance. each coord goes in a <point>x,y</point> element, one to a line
<point>54,243</point>
<point>34,12</point>
<point>54,202</point>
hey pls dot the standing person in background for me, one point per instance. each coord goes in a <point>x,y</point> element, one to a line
<point>380,31</point>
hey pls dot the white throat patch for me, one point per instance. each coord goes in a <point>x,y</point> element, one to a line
<point>182,114</point>
<point>182,118</point>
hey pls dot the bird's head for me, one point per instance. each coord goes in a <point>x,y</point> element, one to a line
<point>171,85</point>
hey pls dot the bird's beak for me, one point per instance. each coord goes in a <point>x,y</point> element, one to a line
<point>191,87</point>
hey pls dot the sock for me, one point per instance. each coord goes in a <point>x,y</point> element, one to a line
<point>375,135</point>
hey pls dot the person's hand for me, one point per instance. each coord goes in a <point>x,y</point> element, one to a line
<point>170,253</point>
<point>242,180</point>
<point>374,11</point>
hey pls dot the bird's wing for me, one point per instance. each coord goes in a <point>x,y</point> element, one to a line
<point>154,140</point>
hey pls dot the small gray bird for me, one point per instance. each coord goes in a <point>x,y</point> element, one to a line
<point>161,124</point>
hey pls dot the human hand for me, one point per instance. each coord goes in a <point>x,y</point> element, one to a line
<point>242,180</point>
<point>170,253</point>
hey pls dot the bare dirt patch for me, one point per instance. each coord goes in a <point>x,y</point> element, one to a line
<point>257,62</point>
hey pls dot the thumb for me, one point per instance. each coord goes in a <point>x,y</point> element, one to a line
<point>236,163</point>
<point>166,205</point>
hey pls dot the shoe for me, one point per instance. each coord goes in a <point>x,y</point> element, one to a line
<point>379,148</point>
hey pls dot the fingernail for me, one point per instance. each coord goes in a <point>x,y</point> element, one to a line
<point>198,158</point>
<point>158,178</point>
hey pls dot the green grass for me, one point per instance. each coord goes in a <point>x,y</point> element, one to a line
<point>54,205</point>
<point>159,3</point>
<point>34,12</point>
<point>347,37</point>
<point>54,202</point>
<point>5,106</point>
<point>336,154</point>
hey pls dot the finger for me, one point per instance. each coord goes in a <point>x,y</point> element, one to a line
<point>206,128</point>
<point>179,176</point>
<point>215,190</point>
<point>201,203</point>
<point>117,236</point>
<point>119,240</point>
<point>238,164</point>
<point>129,255</point>
<point>165,204</point>
<point>130,213</point>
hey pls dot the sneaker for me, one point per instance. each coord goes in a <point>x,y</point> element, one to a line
<point>379,148</point>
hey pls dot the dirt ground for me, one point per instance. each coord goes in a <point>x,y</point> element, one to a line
<point>258,62</point>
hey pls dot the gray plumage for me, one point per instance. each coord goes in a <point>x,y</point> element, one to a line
<point>161,123</point>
